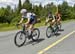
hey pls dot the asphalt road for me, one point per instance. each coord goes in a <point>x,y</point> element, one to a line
<point>44,44</point>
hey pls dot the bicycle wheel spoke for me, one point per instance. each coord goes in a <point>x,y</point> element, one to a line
<point>48,32</point>
<point>35,34</point>
<point>20,39</point>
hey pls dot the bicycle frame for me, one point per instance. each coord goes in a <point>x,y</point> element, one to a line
<point>24,28</point>
<point>55,28</point>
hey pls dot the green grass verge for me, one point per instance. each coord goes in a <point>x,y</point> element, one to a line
<point>6,27</point>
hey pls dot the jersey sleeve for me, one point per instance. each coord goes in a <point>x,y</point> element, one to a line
<point>23,16</point>
<point>28,15</point>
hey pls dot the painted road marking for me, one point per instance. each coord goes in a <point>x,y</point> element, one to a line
<point>55,43</point>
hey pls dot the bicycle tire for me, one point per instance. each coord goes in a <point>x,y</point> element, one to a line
<point>38,34</point>
<point>59,26</point>
<point>48,35</point>
<point>15,39</point>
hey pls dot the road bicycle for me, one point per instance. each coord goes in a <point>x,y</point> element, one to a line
<point>21,36</point>
<point>52,30</point>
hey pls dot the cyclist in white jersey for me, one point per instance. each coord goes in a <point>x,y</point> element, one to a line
<point>30,19</point>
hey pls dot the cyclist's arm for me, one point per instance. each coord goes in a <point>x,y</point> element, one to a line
<point>59,17</point>
<point>53,17</point>
<point>47,20</point>
<point>28,20</point>
<point>21,20</point>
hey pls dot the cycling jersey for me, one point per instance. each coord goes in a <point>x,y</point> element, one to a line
<point>31,16</point>
<point>50,16</point>
<point>58,15</point>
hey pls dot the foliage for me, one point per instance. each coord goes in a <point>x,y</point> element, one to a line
<point>7,15</point>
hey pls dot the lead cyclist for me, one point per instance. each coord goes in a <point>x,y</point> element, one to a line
<point>30,19</point>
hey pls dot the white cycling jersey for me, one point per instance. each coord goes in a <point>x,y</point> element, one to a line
<point>28,15</point>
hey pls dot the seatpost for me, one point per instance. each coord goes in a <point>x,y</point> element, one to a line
<point>23,27</point>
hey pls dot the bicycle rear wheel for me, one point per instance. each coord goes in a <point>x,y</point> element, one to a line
<point>20,39</point>
<point>35,34</point>
<point>59,25</point>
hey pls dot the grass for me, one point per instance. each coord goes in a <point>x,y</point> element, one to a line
<point>6,27</point>
<point>40,24</point>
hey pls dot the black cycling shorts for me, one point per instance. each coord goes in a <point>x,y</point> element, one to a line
<point>32,21</point>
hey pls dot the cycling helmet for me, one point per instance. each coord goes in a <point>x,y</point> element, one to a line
<point>23,11</point>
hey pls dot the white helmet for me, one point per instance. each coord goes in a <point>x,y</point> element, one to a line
<point>23,11</point>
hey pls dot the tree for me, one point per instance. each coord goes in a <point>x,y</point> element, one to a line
<point>51,8</point>
<point>36,10</point>
<point>40,10</point>
<point>73,11</point>
<point>19,6</point>
<point>27,5</point>
<point>64,10</point>
<point>6,15</point>
<point>74,8</point>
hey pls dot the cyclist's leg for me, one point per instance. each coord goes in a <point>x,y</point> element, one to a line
<point>51,25</point>
<point>27,25</point>
<point>58,21</point>
<point>47,20</point>
<point>52,22</point>
<point>31,27</point>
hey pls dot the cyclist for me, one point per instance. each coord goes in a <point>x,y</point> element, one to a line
<point>50,19</point>
<point>58,17</point>
<point>30,19</point>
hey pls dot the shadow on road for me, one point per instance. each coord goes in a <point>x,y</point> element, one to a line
<point>61,30</point>
<point>57,34</point>
<point>35,42</point>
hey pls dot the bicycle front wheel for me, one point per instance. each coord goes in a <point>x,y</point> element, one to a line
<point>20,39</point>
<point>48,32</point>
